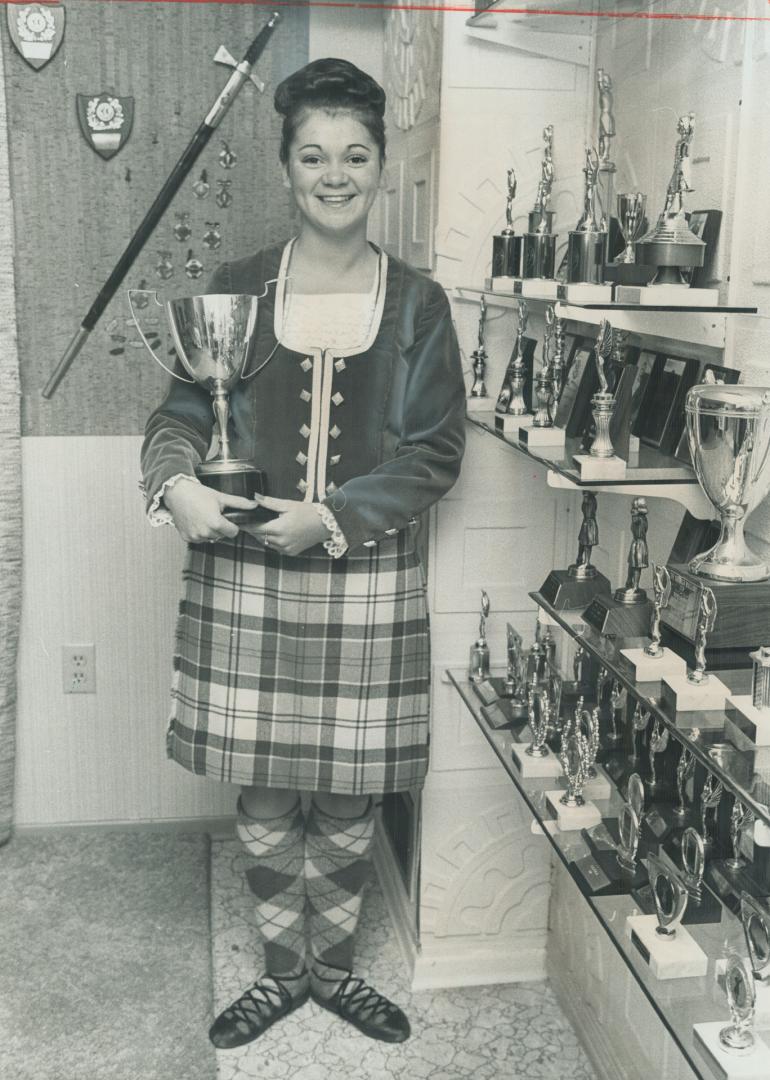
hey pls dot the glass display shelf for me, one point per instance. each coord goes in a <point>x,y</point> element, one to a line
<point>509,299</point>
<point>649,473</point>
<point>744,773</point>
<point>679,1002</point>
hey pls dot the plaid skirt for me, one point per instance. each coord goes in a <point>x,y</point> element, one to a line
<point>305,672</point>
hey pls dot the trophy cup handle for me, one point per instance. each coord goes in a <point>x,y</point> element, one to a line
<point>144,339</point>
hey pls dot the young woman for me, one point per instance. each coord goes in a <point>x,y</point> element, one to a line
<point>302,658</point>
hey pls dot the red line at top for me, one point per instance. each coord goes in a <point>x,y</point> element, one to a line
<point>462,9</point>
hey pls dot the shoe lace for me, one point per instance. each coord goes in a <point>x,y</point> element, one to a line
<point>259,1002</point>
<point>359,999</point>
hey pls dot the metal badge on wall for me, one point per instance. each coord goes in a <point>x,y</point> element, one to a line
<point>105,121</point>
<point>36,31</point>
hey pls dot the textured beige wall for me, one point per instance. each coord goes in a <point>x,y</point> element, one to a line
<point>75,212</point>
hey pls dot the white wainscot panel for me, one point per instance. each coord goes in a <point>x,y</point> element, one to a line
<point>483,872</point>
<point>507,545</point>
<point>456,744</point>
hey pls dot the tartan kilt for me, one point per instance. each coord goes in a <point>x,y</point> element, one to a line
<point>303,672</point>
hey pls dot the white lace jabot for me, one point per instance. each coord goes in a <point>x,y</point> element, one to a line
<point>336,321</point>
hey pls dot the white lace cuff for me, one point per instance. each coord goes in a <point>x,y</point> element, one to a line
<point>157,514</point>
<point>336,545</point>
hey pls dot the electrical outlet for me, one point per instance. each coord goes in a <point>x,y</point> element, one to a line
<point>79,669</point>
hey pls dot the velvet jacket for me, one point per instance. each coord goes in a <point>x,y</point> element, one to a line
<point>377,435</point>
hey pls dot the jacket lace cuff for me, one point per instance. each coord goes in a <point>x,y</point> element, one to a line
<point>336,545</point>
<point>156,513</point>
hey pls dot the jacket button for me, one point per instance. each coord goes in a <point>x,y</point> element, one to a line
<point>305,395</point>
<point>337,398</point>
<point>335,432</point>
<point>301,458</point>
<point>302,485</point>
<point>339,365</point>
<point>335,459</point>
<point>306,364</point>
<point>304,431</point>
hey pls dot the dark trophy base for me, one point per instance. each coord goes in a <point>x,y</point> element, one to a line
<point>505,713</point>
<point>562,591</point>
<point>600,873</point>
<point>609,617</point>
<point>743,610</point>
<point>727,884</point>
<point>628,273</point>
<point>237,478</point>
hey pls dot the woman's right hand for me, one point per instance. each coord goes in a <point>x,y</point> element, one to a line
<point>197,511</point>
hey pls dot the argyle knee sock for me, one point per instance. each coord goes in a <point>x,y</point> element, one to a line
<point>276,878</point>
<point>337,867</point>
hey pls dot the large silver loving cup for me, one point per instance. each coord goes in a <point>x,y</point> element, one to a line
<point>214,338</point>
<point>728,428</point>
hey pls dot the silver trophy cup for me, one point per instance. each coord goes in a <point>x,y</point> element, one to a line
<point>728,428</point>
<point>214,339</point>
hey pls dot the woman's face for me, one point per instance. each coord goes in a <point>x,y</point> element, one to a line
<point>333,171</point>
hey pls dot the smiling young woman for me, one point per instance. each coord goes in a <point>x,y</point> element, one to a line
<point>302,660</point>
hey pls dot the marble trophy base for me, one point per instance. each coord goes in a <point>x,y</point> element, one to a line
<point>679,695</point>
<point>478,404</point>
<point>731,1064</point>
<point>562,591</point>
<point>583,292</point>
<point>510,424</point>
<point>666,296</point>
<point>754,723</point>
<point>540,288</point>
<point>534,768</point>
<point>652,668</point>
<point>676,958</point>
<point>762,991</point>
<point>572,818</point>
<point>596,468</point>
<point>503,284</point>
<point>552,437</point>
<point>599,786</point>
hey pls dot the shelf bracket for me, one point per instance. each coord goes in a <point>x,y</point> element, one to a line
<point>497,30</point>
<point>688,496</point>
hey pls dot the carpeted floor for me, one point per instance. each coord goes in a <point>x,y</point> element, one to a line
<point>105,958</point>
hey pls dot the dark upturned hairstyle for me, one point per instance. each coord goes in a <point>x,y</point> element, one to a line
<point>330,84</point>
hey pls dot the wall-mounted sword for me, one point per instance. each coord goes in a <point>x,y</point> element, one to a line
<point>214,117</point>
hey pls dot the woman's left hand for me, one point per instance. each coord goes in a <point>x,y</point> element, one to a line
<point>297,527</point>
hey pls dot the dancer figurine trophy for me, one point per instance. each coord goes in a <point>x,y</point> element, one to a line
<point>539,249</point>
<point>627,612</point>
<point>478,398</point>
<point>214,339</point>
<point>478,668</point>
<point>697,690</point>
<point>671,248</point>
<point>506,245</point>
<point>581,582</point>
<point>652,662</point>
<point>511,409</point>
<point>541,430</point>
<point>587,246</point>
<point>570,807</point>
<point>601,462</point>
